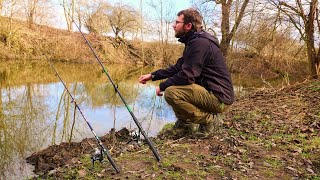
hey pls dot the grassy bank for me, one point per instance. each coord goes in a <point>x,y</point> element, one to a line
<point>18,41</point>
<point>267,134</point>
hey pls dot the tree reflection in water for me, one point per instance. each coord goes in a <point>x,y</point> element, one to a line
<point>35,110</point>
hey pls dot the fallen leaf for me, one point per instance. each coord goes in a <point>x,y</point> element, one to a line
<point>291,169</point>
<point>82,173</point>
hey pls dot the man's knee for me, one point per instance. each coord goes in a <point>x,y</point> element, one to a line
<point>169,94</point>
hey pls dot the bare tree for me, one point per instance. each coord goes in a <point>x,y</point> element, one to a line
<point>227,32</point>
<point>120,19</point>
<point>141,32</point>
<point>123,18</point>
<point>33,9</point>
<point>304,15</point>
<point>1,5</point>
<point>165,17</point>
<point>96,19</point>
<point>10,9</point>
<point>80,10</point>
<point>69,8</point>
<point>209,22</point>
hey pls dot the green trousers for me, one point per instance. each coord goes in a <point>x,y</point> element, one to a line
<point>193,103</point>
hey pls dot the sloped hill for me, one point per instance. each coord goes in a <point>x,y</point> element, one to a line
<point>18,41</point>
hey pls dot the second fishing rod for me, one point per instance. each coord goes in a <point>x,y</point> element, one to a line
<point>149,142</point>
<point>103,149</point>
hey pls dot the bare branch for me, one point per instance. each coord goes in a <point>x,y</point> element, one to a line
<point>281,3</point>
<point>238,20</point>
<point>302,14</point>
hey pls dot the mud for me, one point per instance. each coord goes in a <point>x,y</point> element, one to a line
<point>68,154</point>
<point>266,134</point>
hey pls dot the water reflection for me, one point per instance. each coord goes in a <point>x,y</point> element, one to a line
<point>36,111</point>
<point>21,115</point>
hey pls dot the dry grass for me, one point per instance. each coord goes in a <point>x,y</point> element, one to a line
<point>273,61</point>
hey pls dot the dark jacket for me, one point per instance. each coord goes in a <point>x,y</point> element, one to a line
<point>202,63</point>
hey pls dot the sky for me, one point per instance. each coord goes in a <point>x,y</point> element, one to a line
<point>147,10</point>
<point>179,4</point>
<point>149,13</point>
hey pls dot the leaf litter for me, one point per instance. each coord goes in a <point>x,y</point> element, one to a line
<point>267,133</point>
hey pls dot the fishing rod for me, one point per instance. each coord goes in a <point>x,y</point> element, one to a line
<point>149,142</point>
<point>103,149</point>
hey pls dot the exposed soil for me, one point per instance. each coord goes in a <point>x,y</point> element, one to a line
<point>66,154</point>
<point>266,134</point>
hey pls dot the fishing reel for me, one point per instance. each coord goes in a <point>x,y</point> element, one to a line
<point>96,155</point>
<point>135,137</point>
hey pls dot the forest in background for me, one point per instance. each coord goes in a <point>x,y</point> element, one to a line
<point>264,38</point>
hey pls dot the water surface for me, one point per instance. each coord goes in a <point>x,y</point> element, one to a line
<point>36,111</point>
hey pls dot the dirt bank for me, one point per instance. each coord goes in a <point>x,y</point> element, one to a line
<point>267,134</point>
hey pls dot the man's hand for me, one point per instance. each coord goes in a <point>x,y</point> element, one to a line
<point>144,78</point>
<point>158,91</point>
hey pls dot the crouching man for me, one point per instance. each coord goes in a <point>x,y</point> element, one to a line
<point>199,85</point>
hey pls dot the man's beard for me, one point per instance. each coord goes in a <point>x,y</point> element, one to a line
<point>179,34</point>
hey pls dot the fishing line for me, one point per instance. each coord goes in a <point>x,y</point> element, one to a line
<point>103,149</point>
<point>149,142</point>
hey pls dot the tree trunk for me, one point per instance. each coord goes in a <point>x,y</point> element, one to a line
<point>141,31</point>
<point>306,30</point>
<point>1,4</point>
<point>313,62</point>
<point>72,15</point>
<point>312,56</point>
<point>227,35</point>
<point>32,7</point>
<point>69,13</point>
<point>79,16</point>
<point>225,26</point>
<point>116,34</point>
<point>1,106</point>
<point>30,18</point>
<point>311,50</point>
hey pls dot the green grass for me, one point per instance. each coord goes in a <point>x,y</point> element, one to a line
<point>268,173</point>
<point>275,163</point>
<point>173,175</point>
<point>197,173</point>
<point>315,86</point>
<point>314,143</point>
<point>221,172</point>
<point>166,127</point>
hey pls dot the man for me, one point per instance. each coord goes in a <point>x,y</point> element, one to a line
<point>198,86</point>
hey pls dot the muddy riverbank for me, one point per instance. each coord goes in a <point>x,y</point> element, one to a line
<point>268,134</point>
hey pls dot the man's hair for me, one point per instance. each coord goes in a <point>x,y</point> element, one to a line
<point>192,16</point>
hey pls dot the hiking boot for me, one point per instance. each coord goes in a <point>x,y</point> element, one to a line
<point>186,126</point>
<point>179,124</point>
<point>180,129</point>
<point>206,129</point>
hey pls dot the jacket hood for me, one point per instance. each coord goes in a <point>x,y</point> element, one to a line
<point>191,35</point>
